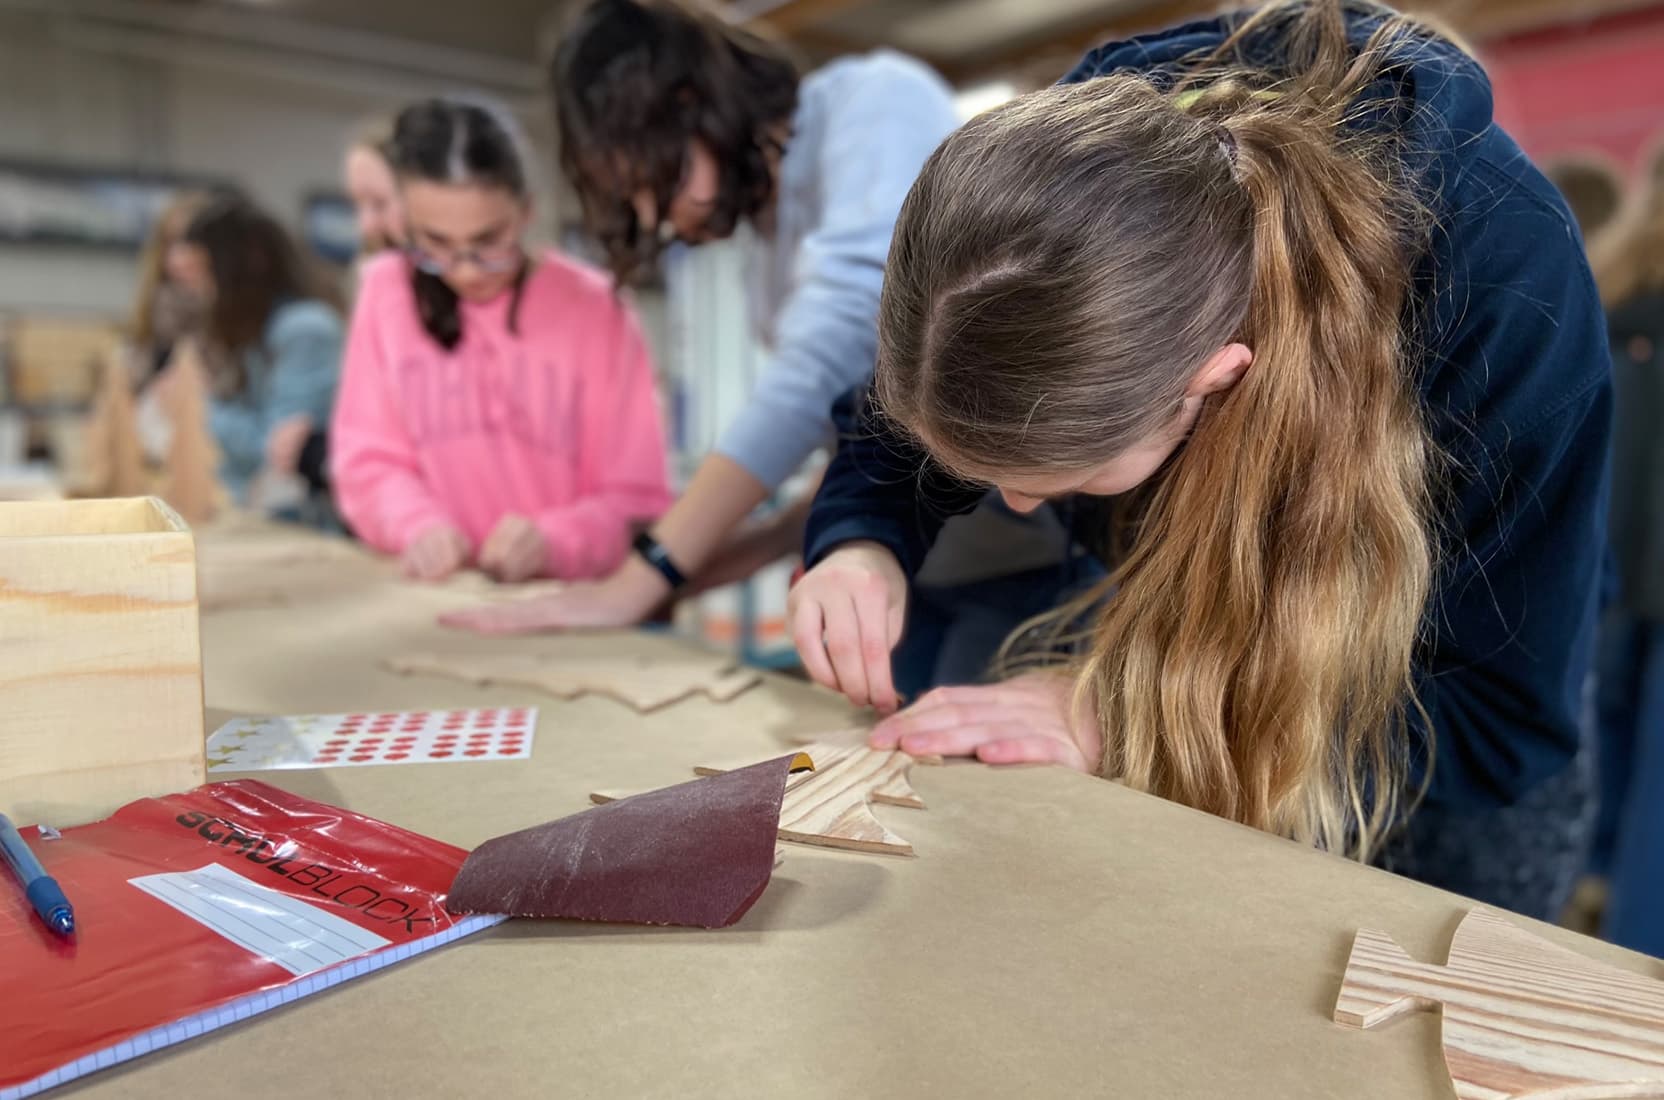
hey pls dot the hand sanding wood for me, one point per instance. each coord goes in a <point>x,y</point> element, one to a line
<point>1522,1017</point>
<point>829,807</point>
<point>645,683</point>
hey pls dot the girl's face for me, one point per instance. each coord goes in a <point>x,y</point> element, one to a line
<point>375,199</point>
<point>466,234</point>
<point>691,206</point>
<point>186,266</point>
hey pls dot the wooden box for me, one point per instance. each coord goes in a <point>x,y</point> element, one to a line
<point>101,678</point>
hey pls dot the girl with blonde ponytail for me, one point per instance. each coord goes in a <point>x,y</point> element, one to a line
<point>1308,353</point>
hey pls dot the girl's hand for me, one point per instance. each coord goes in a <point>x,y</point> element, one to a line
<point>435,554</point>
<point>1021,721</point>
<point>846,615</point>
<point>623,599</point>
<point>515,550</point>
<point>285,442</point>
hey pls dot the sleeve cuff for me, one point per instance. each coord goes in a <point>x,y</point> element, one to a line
<point>822,541</point>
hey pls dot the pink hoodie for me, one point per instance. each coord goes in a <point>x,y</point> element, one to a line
<point>560,424</point>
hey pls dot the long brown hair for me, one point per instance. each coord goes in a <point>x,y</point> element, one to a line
<point>634,82</point>
<point>257,268</point>
<point>169,227</point>
<point>1628,258</point>
<point>1064,265</point>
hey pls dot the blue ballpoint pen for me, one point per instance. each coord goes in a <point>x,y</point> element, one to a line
<point>43,892</point>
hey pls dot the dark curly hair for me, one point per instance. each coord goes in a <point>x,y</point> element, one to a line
<point>634,81</point>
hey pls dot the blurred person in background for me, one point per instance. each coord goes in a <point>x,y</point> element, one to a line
<point>1629,268</point>
<point>498,406</point>
<point>279,324</point>
<point>163,310</point>
<point>1591,188</point>
<point>676,125</point>
<point>368,175</point>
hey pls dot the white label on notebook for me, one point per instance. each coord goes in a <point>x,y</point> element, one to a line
<point>294,934</point>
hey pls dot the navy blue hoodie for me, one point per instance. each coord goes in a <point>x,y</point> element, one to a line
<point>1516,385</point>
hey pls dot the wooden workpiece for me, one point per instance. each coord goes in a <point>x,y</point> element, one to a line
<point>829,807</point>
<point>646,684</point>
<point>102,677</point>
<point>1057,936</point>
<point>1521,1017</point>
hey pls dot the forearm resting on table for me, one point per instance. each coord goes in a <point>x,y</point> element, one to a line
<point>755,544</point>
<point>721,494</point>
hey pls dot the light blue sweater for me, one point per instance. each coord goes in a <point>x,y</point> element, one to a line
<point>292,370</point>
<point>863,128</point>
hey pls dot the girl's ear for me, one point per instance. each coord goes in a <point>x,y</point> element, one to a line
<point>1222,370</point>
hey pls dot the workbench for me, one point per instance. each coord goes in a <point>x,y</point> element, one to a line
<point>1056,935</point>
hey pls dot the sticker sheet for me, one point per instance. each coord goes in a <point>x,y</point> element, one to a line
<point>353,740</point>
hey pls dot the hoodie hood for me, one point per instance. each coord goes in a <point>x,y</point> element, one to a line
<point>1437,96</point>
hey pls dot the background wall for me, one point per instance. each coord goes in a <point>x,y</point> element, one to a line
<point>271,117</point>
<point>1596,87</point>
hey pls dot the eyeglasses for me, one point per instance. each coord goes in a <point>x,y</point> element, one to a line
<point>493,260</point>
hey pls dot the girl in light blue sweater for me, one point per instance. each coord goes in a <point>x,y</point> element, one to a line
<point>274,336</point>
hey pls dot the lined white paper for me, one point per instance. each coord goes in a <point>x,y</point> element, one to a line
<point>242,1008</point>
<point>296,935</point>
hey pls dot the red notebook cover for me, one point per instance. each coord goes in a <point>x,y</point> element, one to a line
<point>200,909</point>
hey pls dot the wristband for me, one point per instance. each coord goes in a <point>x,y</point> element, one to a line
<point>654,554</point>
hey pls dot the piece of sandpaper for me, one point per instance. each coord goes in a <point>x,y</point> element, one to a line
<point>698,853</point>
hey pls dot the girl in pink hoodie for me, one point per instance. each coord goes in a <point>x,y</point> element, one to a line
<point>496,409</point>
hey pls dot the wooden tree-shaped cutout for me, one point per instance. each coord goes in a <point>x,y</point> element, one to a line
<point>191,484</point>
<point>1522,1016</point>
<point>830,806</point>
<point>114,456</point>
<point>645,683</point>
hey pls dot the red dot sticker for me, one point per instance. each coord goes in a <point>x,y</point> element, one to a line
<point>325,758</point>
<point>336,742</point>
<point>370,742</point>
<point>440,754</point>
<point>396,756</point>
<point>404,740</point>
<point>476,752</point>
<point>510,750</point>
<point>361,757</point>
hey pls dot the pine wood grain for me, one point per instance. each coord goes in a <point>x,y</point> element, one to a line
<point>829,806</point>
<point>102,680</point>
<point>1522,1017</point>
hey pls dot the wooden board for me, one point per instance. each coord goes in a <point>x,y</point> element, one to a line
<point>1522,1017</point>
<point>114,458</point>
<point>645,683</point>
<point>829,807</point>
<point>102,680</point>
<point>191,480</point>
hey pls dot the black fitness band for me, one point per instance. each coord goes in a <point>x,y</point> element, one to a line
<point>654,554</point>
